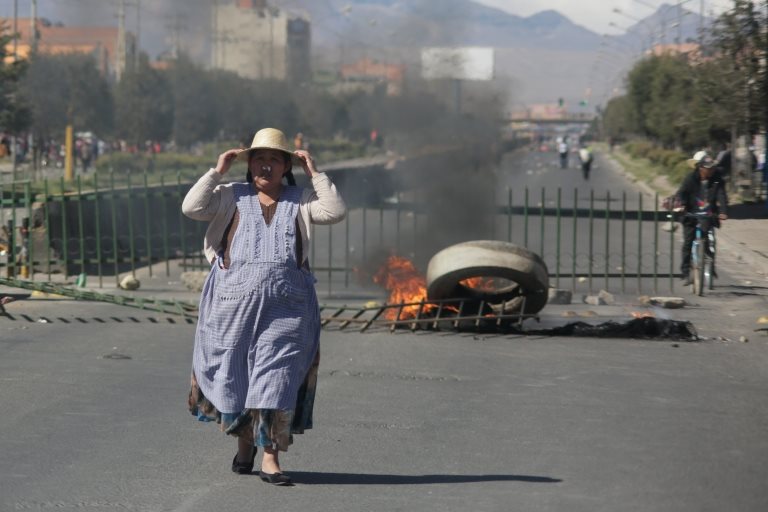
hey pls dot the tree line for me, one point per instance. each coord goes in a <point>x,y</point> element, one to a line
<point>708,97</point>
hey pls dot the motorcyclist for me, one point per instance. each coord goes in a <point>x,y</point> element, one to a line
<point>702,191</point>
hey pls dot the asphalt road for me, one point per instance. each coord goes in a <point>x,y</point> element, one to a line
<point>533,169</point>
<point>94,416</point>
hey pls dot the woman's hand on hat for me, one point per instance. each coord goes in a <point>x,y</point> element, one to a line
<point>307,162</point>
<point>225,160</point>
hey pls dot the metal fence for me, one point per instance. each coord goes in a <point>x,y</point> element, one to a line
<point>588,239</point>
<point>586,245</point>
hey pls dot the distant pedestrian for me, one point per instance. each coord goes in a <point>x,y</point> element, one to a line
<point>85,154</point>
<point>585,158</point>
<point>723,162</point>
<point>562,149</point>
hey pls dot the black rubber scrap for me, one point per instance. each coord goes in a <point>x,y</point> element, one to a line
<point>638,328</point>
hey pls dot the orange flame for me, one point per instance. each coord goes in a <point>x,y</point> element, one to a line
<point>479,283</point>
<point>404,283</point>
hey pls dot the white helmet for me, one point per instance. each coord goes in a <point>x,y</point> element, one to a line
<point>697,157</point>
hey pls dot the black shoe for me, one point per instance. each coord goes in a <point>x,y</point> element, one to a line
<point>276,478</point>
<point>244,468</point>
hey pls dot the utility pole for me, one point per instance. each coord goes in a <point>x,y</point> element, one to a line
<point>33,42</point>
<point>271,44</point>
<point>15,59</point>
<point>176,26</point>
<point>120,50</point>
<point>765,95</point>
<point>32,51</point>
<point>15,30</point>
<point>215,32</point>
<point>679,39</point>
<point>136,50</point>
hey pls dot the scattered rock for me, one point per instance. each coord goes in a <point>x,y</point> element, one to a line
<point>129,283</point>
<point>194,280</point>
<point>763,319</point>
<point>606,297</point>
<point>588,314</point>
<point>569,314</point>
<point>669,226</point>
<point>558,296</point>
<point>743,339</point>
<point>668,302</point>
<point>593,300</point>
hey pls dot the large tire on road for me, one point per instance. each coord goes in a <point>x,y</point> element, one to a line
<point>488,258</point>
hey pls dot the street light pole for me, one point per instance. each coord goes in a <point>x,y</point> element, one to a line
<point>641,2</point>
<point>120,50</point>
<point>136,50</point>
<point>626,30</point>
<point>15,59</point>
<point>15,30</point>
<point>33,46</point>
<point>640,22</point>
<point>765,97</point>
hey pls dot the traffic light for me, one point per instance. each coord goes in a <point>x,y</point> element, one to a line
<point>560,102</point>
<point>583,103</point>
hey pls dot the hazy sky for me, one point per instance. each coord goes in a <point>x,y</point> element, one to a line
<point>597,15</point>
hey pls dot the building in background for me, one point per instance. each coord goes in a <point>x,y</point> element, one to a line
<point>691,51</point>
<point>256,40</point>
<point>54,39</point>
<point>368,74</point>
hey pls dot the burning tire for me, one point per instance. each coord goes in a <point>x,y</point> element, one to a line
<point>515,271</point>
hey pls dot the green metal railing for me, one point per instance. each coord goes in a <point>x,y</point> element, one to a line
<point>108,231</point>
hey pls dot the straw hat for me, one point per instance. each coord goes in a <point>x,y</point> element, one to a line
<point>268,138</point>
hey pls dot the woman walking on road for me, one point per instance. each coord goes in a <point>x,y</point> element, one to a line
<point>257,339</point>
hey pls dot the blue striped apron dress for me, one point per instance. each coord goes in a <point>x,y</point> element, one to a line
<point>259,323</point>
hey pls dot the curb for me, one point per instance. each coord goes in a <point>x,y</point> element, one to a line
<point>616,166</point>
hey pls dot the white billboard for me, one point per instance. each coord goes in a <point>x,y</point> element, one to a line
<point>467,63</point>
